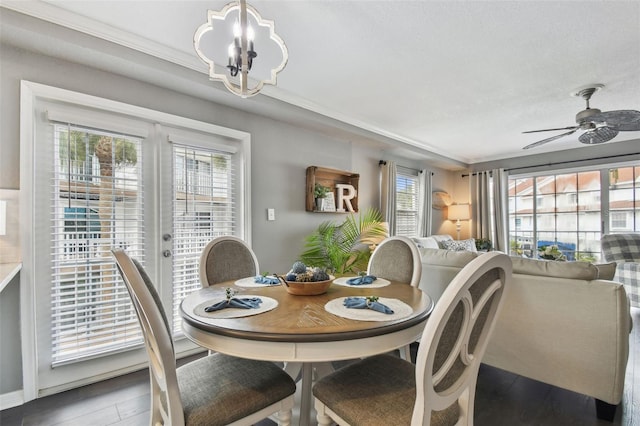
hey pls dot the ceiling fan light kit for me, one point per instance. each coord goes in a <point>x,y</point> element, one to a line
<point>598,126</point>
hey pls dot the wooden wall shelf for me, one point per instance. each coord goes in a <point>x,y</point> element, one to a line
<point>329,177</point>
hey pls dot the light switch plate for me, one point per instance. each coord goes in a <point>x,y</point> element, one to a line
<point>271,214</point>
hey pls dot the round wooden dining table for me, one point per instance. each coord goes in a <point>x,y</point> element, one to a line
<point>300,329</point>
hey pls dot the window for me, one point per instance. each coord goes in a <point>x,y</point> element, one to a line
<point>203,208</point>
<point>97,205</point>
<point>568,212</point>
<point>407,190</point>
<point>618,220</point>
<point>624,199</point>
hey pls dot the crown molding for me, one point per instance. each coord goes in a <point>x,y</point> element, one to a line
<point>51,13</point>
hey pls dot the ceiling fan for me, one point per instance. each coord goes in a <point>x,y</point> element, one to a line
<point>598,126</point>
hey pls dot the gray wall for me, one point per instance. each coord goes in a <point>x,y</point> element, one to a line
<point>10,353</point>
<point>281,152</point>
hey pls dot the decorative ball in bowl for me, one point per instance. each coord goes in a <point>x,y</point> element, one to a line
<point>306,281</point>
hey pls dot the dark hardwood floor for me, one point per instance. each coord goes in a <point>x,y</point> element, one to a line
<point>502,398</point>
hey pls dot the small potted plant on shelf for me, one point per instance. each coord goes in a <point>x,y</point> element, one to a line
<point>320,193</point>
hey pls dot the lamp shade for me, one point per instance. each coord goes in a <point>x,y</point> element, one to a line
<point>458,212</point>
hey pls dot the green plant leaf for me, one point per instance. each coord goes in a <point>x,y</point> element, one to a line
<point>345,248</point>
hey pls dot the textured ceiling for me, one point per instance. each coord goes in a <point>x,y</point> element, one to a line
<point>459,78</point>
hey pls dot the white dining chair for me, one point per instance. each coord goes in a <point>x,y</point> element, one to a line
<point>213,390</point>
<point>440,388</point>
<point>227,258</point>
<point>397,259</point>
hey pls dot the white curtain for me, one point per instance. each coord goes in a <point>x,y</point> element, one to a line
<point>424,202</point>
<point>488,191</point>
<point>500,207</point>
<point>388,172</point>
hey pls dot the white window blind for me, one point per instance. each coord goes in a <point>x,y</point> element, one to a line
<point>407,185</point>
<point>204,207</point>
<point>97,205</point>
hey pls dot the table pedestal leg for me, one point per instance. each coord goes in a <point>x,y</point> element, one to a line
<point>305,397</point>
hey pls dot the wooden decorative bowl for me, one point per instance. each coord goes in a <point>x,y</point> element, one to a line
<point>312,288</point>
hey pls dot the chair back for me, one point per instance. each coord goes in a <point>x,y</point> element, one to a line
<point>455,339</point>
<point>166,403</point>
<point>396,259</point>
<point>227,258</point>
<point>621,247</point>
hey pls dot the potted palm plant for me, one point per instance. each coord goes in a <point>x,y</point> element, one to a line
<point>345,248</point>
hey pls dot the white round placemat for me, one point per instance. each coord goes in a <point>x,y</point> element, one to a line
<point>400,310</point>
<point>251,282</point>
<point>266,305</point>
<point>379,282</point>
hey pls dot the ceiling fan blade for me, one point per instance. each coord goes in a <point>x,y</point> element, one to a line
<point>549,130</point>
<point>625,120</point>
<point>551,139</point>
<point>599,135</point>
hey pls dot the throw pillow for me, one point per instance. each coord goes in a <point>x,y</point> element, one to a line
<point>425,242</point>
<point>460,245</point>
<point>606,271</point>
<point>439,257</point>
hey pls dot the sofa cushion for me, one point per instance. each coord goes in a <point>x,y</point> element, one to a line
<point>459,245</point>
<point>550,268</point>
<point>606,271</point>
<point>439,257</point>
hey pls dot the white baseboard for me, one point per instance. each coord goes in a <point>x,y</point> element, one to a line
<point>11,399</point>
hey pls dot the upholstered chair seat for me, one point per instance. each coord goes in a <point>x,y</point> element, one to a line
<point>220,389</point>
<point>371,399</point>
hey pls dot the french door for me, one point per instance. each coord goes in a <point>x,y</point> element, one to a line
<point>104,180</point>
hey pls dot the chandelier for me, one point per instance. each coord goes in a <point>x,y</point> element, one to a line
<point>241,53</point>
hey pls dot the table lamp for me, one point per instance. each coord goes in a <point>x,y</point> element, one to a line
<point>458,212</point>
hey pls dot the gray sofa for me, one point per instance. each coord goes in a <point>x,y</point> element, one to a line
<point>562,323</point>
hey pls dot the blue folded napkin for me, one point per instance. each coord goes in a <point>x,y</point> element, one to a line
<point>266,279</point>
<point>367,279</point>
<point>361,303</point>
<point>235,302</point>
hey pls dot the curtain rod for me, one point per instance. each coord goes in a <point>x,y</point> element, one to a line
<point>561,162</point>
<point>382,162</point>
